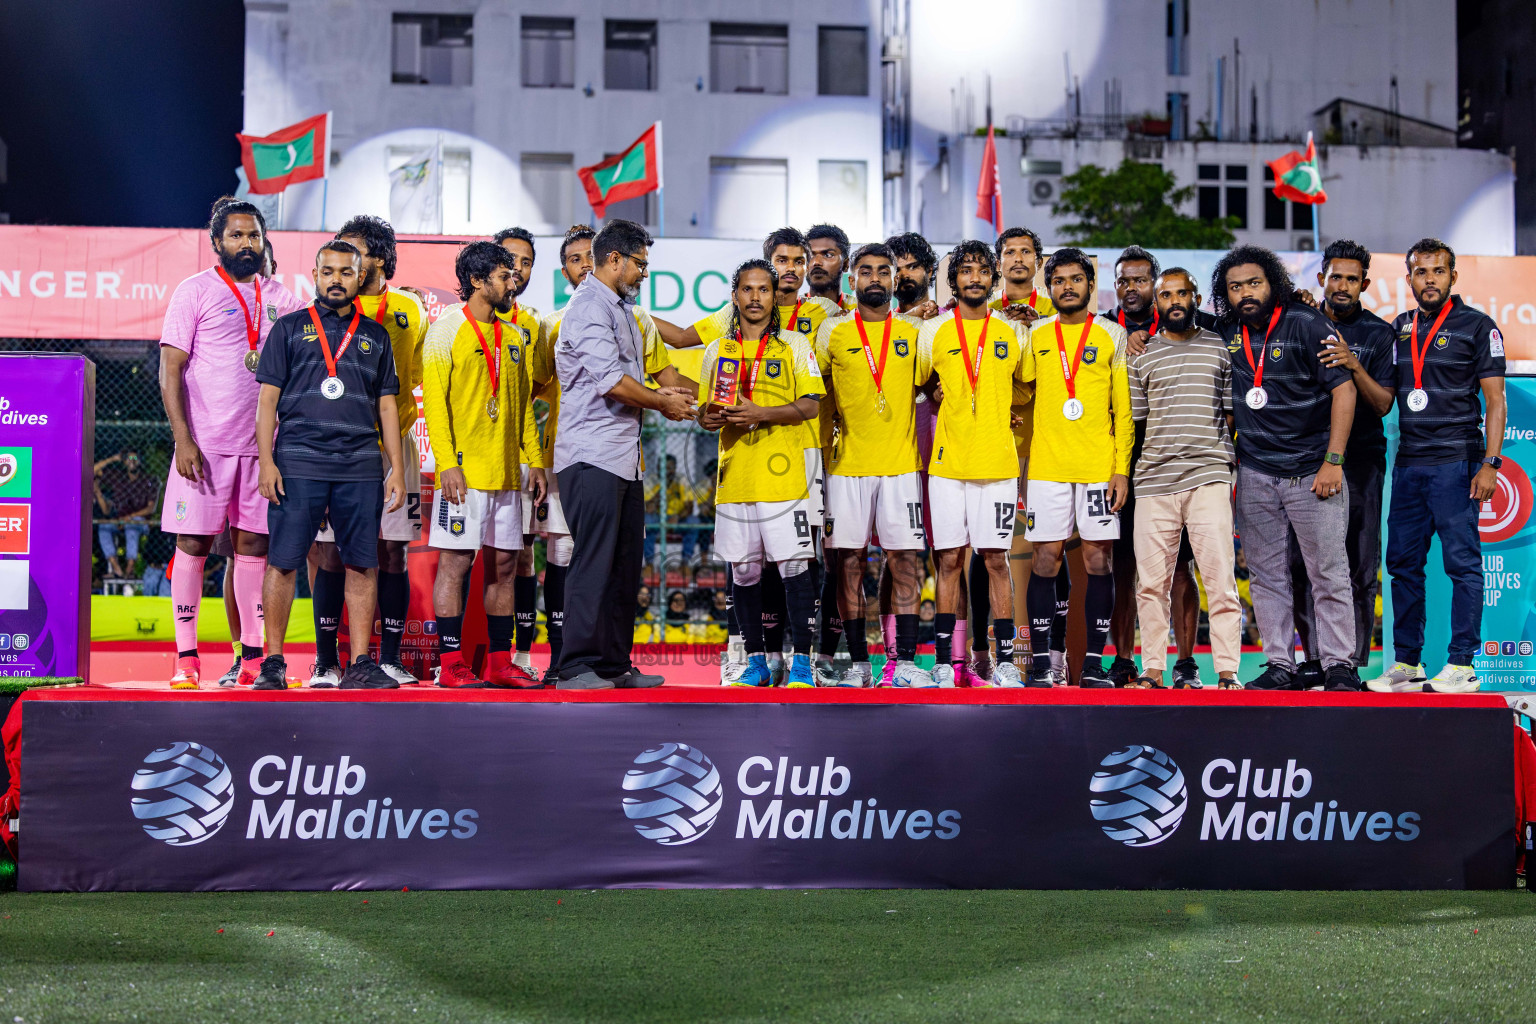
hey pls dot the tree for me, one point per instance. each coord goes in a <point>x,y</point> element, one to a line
<point>1135,204</point>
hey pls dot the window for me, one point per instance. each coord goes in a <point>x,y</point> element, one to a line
<point>844,194</point>
<point>1208,198</point>
<point>1211,193</point>
<point>748,58</point>
<point>749,197</point>
<point>433,49</point>
<point>549,53</point>
<point>549,179</point>
<point>1178,37</point>
<point>842,61</point>
<point>629,55</point>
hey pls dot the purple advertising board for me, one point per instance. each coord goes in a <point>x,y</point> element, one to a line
<point>124,793</point>
<point>47,455</point>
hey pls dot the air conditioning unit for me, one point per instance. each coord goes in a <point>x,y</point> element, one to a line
<point>1304,242</point>
<point>1044,190</point>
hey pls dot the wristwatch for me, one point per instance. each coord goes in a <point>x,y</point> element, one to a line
<point>1497,462</point>
<point>1334,458</point>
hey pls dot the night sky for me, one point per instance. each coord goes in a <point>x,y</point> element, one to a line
<point>117,112</point>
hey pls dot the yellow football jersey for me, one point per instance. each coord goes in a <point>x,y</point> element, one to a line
<point>975,443</point>
<point>1091,449</point>
<point>455,387</point>
<point>1039,301</point>
<point>541,372</point>
<point>767,463</point>
<point>400,314</point>
<point>872,441</point>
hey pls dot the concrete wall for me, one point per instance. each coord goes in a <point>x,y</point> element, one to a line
<point>308,56</point>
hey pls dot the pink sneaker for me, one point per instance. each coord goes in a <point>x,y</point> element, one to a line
<point>966,676</point>
<point>888,673</point>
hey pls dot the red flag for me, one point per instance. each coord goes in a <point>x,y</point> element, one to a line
<point>989,193</point>
<point>634,172</point>
<point>1297,177</point>
<point>287,156</point>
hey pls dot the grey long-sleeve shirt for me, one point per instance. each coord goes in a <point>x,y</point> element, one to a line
<point>599,344</point>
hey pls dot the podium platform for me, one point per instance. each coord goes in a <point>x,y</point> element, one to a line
<point>139,789</point>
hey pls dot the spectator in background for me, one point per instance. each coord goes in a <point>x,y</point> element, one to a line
<point>925,628</point>
<point>125,496</point>
<point>643,605</point>
<point>677,608</point>
<point>719,607</point>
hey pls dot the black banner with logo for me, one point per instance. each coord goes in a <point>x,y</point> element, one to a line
<point>183,795</point>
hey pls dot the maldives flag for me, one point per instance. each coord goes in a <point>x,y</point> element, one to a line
<point>287,156</point>
<point>625,175</point>
<point>1297,177</point>
<point>989,191</point>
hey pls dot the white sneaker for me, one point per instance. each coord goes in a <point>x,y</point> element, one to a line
<point>828,674</point>
<point>860,673</point>
<point>1400,678</point>
<point>1453,679</point>
<point>399,673</point>
<point>942,675</point>
<point>524,661</point>
<point>733,662</point>
<point>232,677</point>
<point>1006,674</point>
<point>777,671</point>
<point>325,677</point>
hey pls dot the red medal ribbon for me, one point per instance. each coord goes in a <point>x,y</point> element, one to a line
<point>1034,293</point>
<point>492,362</point>
<point>877,372</point>
<point>757,362</point>
<point>1258,368</point>
<point>1069,374</point>
<point>1413,344</point>
<point>383,306</point>
<point>252,327</point>
<point>346,339</point>
<point>1120,315</point>
<point>972,373</point>
<point>794,315</point>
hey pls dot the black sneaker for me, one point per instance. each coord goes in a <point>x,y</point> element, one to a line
<point>1093,677</point>
<point>1122,672</point>
<point>1274,678</point>
<point>550,678</point>
<point>1309,675</point>
<point>274,674</point>
<point>1186,675</point>
<point>364,674</point>
<point>1036,679</point>
<point>1342,679</point>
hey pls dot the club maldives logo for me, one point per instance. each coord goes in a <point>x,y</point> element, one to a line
<point>1506,513</point>
<point>673,794</point>
<point>1139,795</point>
<point>183,794</point>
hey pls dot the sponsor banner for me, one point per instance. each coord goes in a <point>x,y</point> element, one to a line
<point>250,794</point>
<point>47,418</point>
<point>79,282</point>
<point>1506,659</point>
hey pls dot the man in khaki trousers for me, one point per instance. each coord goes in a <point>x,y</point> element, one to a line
<point>1181,385</point>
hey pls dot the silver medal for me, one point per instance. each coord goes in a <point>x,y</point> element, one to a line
<point>880,403</point>
<point>333,388</point>
<point>1257,398</point>
<point>1418,400</point>
<point>492,408</point>
<point>1072,409</point>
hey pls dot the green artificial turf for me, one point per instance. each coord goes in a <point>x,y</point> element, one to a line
<point>680,955</point>
<point>16,684</point>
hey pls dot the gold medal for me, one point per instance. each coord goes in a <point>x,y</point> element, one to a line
<point>492,408</point>
<point>880,403</point>
<point>252,360</point>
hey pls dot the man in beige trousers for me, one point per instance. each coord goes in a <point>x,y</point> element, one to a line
<point>1181,385</point>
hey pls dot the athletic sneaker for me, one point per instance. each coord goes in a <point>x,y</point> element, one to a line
<point>941,675</point>
<point>1400,678</point>
<point>860,673</point>
<point>503,673</point>
<point>888,672</point>
<point>1037,680</point>
<point>978,668</point>
<point>456,675</point>
<point>755,673</point>
<point>399,673</point>
<point>733,662</point>
<point>1006,674</point>
<point>1309,676</point>
<point>187,672</point>
<point>324,677</point>
<point>800,674</point>
<point>827,674</point>
<point>550,678</point>
<point>1094,677</point>
<point>1274,678</point>
<point>1341,679</point>
<point>1186,675</point>
<point>274,674</point>
<point>249,670</point>
<point>1453,679</point>
<point>1121,672</point>
<point>776,669</point>
<point>231,677</point>
<point>365,674</point>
